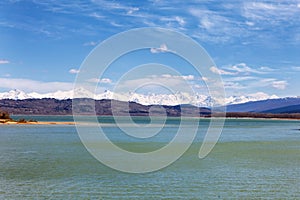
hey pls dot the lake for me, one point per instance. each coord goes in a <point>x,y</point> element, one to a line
<point>253,159</point>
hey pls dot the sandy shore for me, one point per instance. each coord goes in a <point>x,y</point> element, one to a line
<point>37,123</point>
<point>73,123</point>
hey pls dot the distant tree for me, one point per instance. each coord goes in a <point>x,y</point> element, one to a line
<point>4,115</point>
<point>21,121</point>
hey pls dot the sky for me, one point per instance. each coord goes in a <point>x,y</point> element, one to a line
<point>255,44</point>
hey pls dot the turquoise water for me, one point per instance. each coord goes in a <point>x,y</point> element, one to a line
<point>253,159</point>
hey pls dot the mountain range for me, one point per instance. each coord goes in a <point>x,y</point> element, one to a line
<point>19,102</point>
<point>178,98</point>
<point>280,105</point>
<point>86,106</point>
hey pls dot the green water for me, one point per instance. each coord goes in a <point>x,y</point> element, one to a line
<point>254,159</point>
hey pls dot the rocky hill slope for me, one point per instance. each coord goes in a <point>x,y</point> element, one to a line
<point>49,106</point>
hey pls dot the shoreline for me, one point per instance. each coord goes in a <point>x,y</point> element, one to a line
<point>74,123</point>
<point>261,118</point>
<point>37,123</point>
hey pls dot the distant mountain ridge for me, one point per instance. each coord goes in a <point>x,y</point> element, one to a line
<point>19,102</point>
<point>52,106</point>
<point>281,105</point>
<point>286,109</point>
<point>178,98</point>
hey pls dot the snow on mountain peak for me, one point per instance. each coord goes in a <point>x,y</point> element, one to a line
<point>14,94</point>
<point>259,96</point>
<point>145,99</point>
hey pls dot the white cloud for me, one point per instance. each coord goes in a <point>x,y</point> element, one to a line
<point>262,95</point>
<point>29,85</point>
<point>96,15</point>
<point>115,24</point>
<point>233,85</point>
<point>206,23</point>
<point>271,12</point>
<point>243,68</point>
<point>4,61</point>
<point>132,10</point>
<point>280,85</point>
<point>180,20</point>
<point>262,6</point>
<point>162,49</point>
<point>210,20</point>
<point>249,23</point>
<point>177,19</point>
<point>272,82</point>
<point>204,78</point>
<point>197,86</point>
<point>241,78</point>
<point>266,69</point>
<point>187,77</point>
<point>296,68</point>
<point>215,26</point>
<point>105,80</point>
<point>91,43</point>
<point>74,71</point>
<point>97,80</point>
<point>216,70</point>
<point>164,82</point>
<point>231,20</point>
<point>118,6</point>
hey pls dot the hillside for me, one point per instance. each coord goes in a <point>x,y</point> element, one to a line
<point>285,109</point>
<point>49,106</point>
<point>282,105</point>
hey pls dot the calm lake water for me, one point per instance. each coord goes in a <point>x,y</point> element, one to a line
<point>253,159</point>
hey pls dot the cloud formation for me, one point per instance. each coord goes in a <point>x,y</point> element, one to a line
<point>281,85</point>
<point>102,80</point>
<point>91,43</point>
<point>74,71</point>
<point>237,31</point>
<point>241,69</point>
<point>164,82</point>
<point>241,78</point>
<point>245,69</point>
<point>4,61</point>
<point>216,70</point>
<point>162,49</point>
<point>206,21</point>
<point>29,85</point>
<point>187,77</point>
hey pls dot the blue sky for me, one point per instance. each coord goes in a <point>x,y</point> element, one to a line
<point>255,44</point>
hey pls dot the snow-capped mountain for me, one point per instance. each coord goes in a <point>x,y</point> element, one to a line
<point>145,99</point>
<point>251,97</point>
<point>279,105</point>
<point>14,94</point>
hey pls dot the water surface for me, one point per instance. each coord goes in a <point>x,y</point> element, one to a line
<point>253,159</point>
